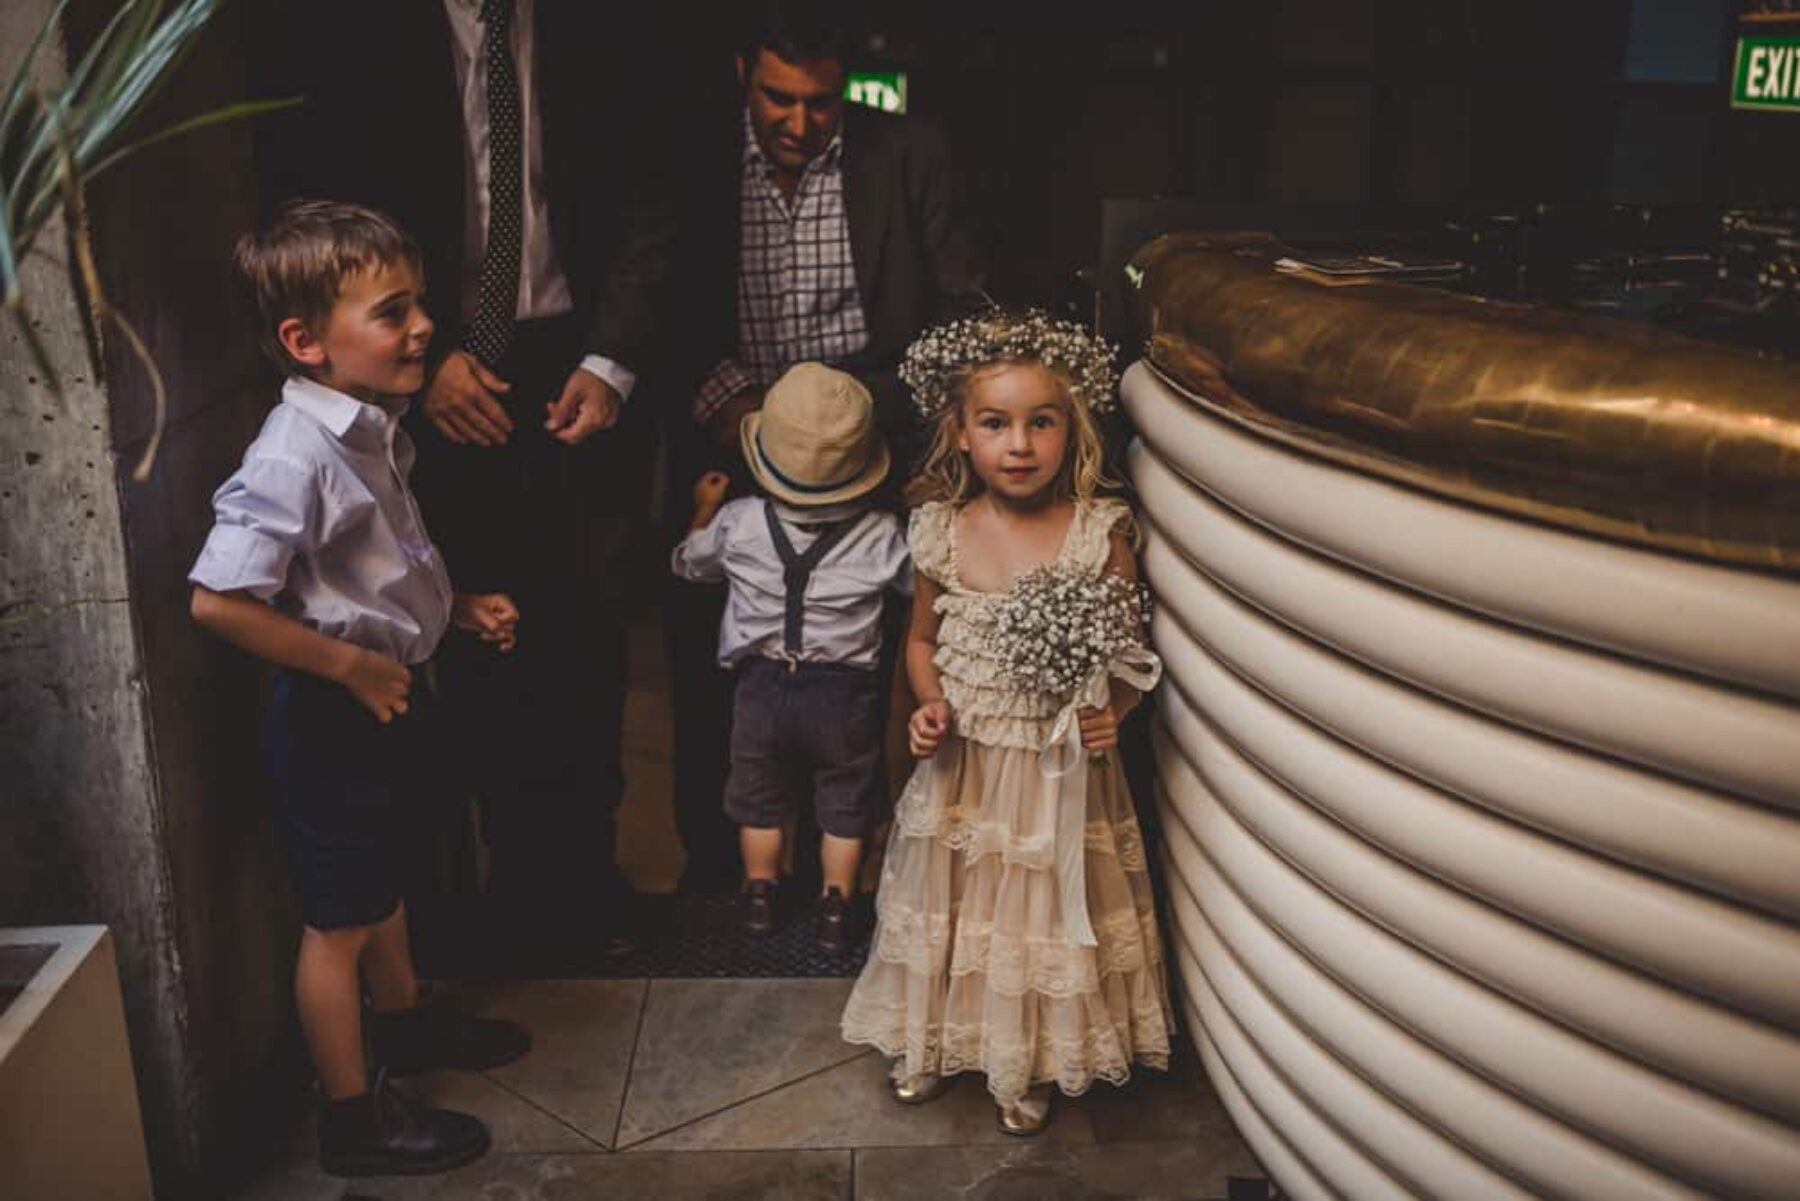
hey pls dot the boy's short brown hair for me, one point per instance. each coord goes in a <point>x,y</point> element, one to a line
<point>297,265</point>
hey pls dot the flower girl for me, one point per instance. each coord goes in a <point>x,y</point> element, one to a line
<point>1016,934</point>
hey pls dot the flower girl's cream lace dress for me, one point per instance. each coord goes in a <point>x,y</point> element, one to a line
<point>969,969</point>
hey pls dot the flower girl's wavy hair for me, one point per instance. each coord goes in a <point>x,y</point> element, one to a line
<point>948,358</point>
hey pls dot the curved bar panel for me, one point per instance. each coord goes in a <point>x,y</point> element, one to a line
<point>1731,739</point>
<point>1488,822</point>
<point>1296,1176</point>
<point>1707,947</point>
<point>1725,623</point>
<point>1691,1135</point>
<point>1289,1099</point>
<point>1730,847</point>
<point>1530,1146</point>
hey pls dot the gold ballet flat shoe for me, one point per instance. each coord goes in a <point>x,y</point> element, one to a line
<point>916,1090</point>
<point>1029,1116</point>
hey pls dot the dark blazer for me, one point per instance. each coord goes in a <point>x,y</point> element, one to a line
<point>914,239</point>
<point>382,125</point>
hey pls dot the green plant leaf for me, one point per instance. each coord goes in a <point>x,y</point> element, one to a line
<point>144,72</point>
<point>97,85</point>
<point>9,260</point>
<point>27,66</point>
<point>37,167</point>
<point>230,112</point>
<point>52,140</point>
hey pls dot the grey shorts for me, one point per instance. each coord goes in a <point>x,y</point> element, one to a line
<point>815,729</point>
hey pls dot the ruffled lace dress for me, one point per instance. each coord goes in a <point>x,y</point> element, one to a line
<point>969,969</point>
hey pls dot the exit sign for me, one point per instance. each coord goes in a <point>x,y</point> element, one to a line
<point>885,90</point>
<point>1767,74</point>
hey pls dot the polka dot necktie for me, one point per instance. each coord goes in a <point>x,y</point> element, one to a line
<point>490,333</point>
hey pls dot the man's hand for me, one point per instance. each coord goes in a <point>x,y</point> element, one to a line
<point>462,400</point>
<point>726,420</point>
<point>378,682</point>
<point>927,727</point>
<point>588,404</point>
<point>490,615</point>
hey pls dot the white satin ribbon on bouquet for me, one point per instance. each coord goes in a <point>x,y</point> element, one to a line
<point>1063,762</point>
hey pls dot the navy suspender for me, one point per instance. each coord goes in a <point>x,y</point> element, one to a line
<point>797,568</point>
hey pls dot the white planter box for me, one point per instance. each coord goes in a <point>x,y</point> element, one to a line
<point>69,1121</point>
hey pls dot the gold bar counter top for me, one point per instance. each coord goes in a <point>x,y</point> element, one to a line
<point>1589,423</point>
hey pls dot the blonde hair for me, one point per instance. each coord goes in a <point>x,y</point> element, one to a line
<point>296,267</point>
<point>947,475</point>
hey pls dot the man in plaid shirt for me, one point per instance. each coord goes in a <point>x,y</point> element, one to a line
<point>849,234</point>
<point>796,284</point>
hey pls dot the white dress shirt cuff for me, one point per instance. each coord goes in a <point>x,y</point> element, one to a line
<point>622,378</point>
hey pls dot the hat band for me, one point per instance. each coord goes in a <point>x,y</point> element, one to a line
<point>796,485</point>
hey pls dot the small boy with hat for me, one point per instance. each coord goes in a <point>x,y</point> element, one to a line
<point>807,565</point>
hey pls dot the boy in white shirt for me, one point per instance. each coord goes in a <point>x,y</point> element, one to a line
<point>808,565</point>
<point>319,562</point>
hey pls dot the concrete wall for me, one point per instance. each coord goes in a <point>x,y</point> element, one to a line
<point>163,228</point>
<point>127,738</point>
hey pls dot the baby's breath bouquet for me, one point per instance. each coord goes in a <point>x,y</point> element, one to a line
<point>1055,629</point>
<point>1067,634</point>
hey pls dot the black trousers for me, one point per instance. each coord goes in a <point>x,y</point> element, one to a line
<point>701,690</point>
<point>537,732</point>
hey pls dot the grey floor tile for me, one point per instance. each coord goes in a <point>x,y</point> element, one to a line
<point>753,1176</point>
<point>514,1123</point>
<point>849,1106</point>
<point>294,1180</point>
<point>708,1044</point>
<point>1184,1170</point>
<point>1175,1104</point>
<point>582,1033</point>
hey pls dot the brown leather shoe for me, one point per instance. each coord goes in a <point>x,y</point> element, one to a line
<point>759,908</point>
<point>834,923</point>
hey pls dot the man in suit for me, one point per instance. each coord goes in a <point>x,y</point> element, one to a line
<point>838,234</point>
<point>492,130</point>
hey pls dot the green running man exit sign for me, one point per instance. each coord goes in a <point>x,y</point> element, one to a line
<point>885,90</point>
<point>1767,74</point>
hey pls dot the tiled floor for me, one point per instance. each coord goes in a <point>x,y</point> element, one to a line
<point>677,1089</point>
<point>685,1089</point>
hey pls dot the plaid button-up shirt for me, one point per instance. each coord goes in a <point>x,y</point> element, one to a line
<point>796,282</point>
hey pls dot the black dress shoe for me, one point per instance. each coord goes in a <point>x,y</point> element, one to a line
<point>834,923</point>
<point>624,923</point>
<point>620,942</point>
<point>383,1132</point>
<point>427,1037</point>
<point>759,908</point>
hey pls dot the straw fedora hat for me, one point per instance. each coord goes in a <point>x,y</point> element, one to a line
<point>814,441</point>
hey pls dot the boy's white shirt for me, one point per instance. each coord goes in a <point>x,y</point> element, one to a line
<point>843,597</point>
<point>319,521</point>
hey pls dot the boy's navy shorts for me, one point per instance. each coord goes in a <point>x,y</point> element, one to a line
<point>344,786</point>
<point>816,729</point>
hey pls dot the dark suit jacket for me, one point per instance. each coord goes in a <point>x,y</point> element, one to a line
<point>914,239</point>
<point>382,126</point>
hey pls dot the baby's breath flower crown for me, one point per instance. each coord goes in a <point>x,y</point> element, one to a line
<point>932,363</point>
